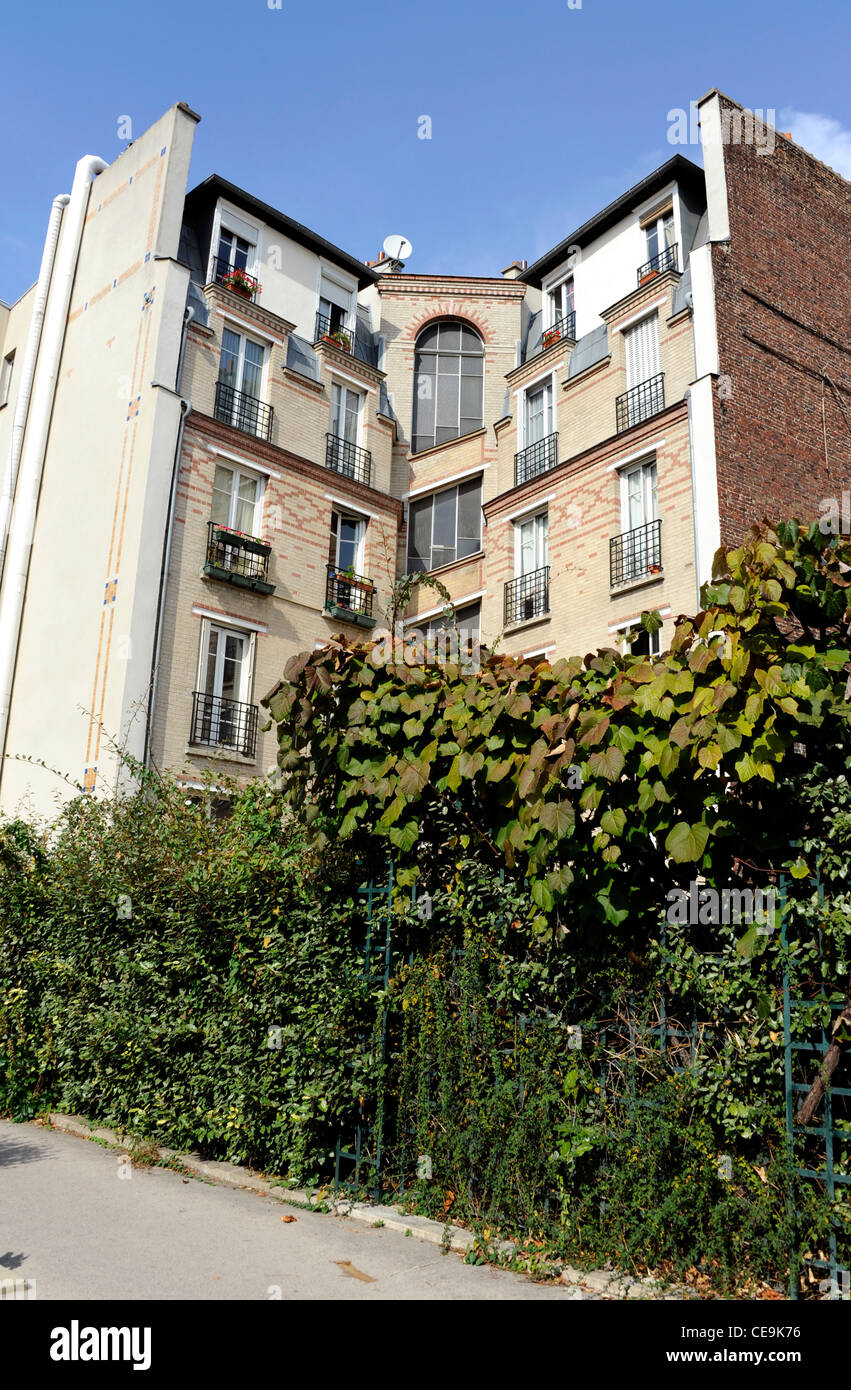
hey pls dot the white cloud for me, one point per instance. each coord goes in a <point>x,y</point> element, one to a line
<point>823,136</point>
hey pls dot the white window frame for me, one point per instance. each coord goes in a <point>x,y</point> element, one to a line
<point>239,471</point>
<point>264,365</point>
<point>360,544</point>
<point>547,383</point>
<point>542,515</point>
<point>249,637</point>
<point>641,466</point>
<point>230,219</point>
<point>346,287</point>
<point>557,287</point>
<point>341,386</point>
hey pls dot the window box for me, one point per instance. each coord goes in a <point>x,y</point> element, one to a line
<point>551,336</point>
<point>349,615</point>
<point>226,535</point>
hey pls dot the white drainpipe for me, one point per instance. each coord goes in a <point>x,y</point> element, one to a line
<point>22,529</point>
<point>22,406</point>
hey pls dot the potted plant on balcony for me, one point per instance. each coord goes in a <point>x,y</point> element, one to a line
<point>551,336</point>
<point>227,535</point>
<point>340,338</point>
<point>241,283</point>
<point>654,569</point>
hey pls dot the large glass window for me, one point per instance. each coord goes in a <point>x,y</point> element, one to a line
<point>345,412</point>
<point>235,498</point>
<point>234,251</point>
<point>448,382</point>
<point>445,526</point>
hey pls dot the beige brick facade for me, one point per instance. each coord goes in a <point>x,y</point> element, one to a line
<point>630,490</point>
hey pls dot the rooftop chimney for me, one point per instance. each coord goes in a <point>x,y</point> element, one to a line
<point>515,270</point>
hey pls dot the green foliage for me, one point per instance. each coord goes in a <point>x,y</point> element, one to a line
<point>160,1022</point>
<point>601,780</point>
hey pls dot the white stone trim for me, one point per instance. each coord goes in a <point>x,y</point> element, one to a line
<point>444,482</point>
<point>644,312</point>
<point>229,620</point>
<point>460,602</point>
<point>633,458</point>
<point>712,140</point>
<point>351,506</point>
<point>530,508</point>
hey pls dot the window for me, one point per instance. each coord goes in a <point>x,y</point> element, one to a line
<point>530,544</point>
<point>234,251</point>
<point>6,370</point>
<point>236,498</point>
<point>221,713</point>
<point>538,412</point>
<point>639,503</point>
<point>445,526</point>
<point>345,412</point>
<point>642,351</point>
<point>347,538</point>
<point>240,385</point>
<point>560,301</point>
<point>659,233</point>
<point>468,621</point>
<point>448,382</point>
<point>335,306</point>
<point>639,642</point>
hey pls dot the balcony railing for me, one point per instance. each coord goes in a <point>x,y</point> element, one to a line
<point>635,554</point>
<point>242,411</point>
<point>666,260</point>
<point>349,596</point>
<point>235,279</point>
<point>237,558</point>
<point>536,458</point>
<point>348,459</point>
<point>528,596</point>
<point>339,335</point>
<point>221,723</point>
<point>641,402</point>
<point>562,328</point>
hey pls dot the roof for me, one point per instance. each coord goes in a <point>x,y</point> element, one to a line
<point>678,169</point>
<point>215,187</point>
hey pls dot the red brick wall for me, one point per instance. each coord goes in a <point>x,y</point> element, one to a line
<point>783,288</point>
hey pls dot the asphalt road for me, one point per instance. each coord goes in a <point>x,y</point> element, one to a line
<point>72,1224</point>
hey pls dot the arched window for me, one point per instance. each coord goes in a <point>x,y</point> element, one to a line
<point>448,379</point>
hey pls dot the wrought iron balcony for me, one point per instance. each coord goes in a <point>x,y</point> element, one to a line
<point>562,328</point>
<point>527,596</point>
<point>235,279</point>
<point>641,402</point>
<point>666,260</point>
<point>348,459</point>
<point>237,558</point>
<point>242,411</point>
<point>635,554</point>
<point>349,596</point>
<point>221,723</point>
<point>338,334</point>
<point>536,458</point>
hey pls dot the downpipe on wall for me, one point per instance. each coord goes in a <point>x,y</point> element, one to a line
<point>22,529</point>
<point>22,404</point>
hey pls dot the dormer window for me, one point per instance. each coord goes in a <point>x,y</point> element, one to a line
<point>660,245</point>
<point>561,301</point>
<point>335,313</point>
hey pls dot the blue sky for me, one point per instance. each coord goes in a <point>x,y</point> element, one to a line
<point>540,113</point>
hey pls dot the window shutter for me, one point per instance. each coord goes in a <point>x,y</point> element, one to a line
<point>642,351</point>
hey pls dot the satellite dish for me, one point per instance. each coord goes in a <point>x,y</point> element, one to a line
<point>397,248</point>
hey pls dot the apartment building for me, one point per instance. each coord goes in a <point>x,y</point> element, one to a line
<point>226,438</point>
